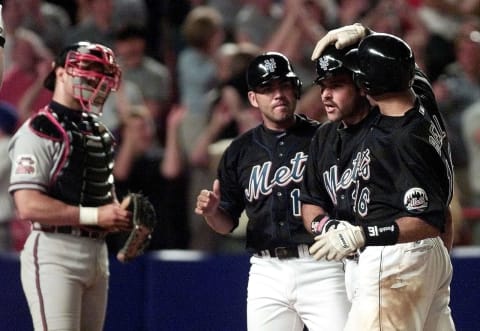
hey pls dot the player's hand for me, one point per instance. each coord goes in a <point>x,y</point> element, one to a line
<point>341,37</point>
<point>320,225</point>
<point>113,217</point>
<point>208,201</point>
<point>333,224</point>
<point>338,243</point>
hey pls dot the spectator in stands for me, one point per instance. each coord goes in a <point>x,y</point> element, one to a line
<point>457,89</point>
<point>117,106</point>
<point>23,80</point>
<point>444,17</point>
<point>12,15</point>
<point>48,20</point>
<point>151,76</point>
<point>142,165</point>
<point>8,124</point>
<point>469,230</point>
<point>228,10</point>
<point>230,112</point>
<point>256,20</point>
<point>197,68</point>
<point>351,11</point>
<point>470,124</point>
<point>97,27</point>
<point>197,75</point>
<point>128,12</point>
<point>302,24</point>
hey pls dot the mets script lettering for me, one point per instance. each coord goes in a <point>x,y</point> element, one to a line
<point>261,182</point>
<point>360,169</point>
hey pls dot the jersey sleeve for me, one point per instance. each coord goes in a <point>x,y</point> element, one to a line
<point>232,200</point>
<point>425,181</point>
<point>33,160</point>
<point>312,188</point>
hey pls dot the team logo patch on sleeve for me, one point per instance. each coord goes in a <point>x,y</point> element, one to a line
<point>25,165</point>
<point>415,200</point>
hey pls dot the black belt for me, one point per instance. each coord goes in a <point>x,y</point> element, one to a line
<point>73,230</point>
<point>284,252</point>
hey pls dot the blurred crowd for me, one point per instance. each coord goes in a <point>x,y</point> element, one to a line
<point>183,93</point>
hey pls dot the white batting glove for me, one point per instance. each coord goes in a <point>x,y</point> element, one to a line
<point>334,224</point>
<point>341,37</point>
<point>338,243</point>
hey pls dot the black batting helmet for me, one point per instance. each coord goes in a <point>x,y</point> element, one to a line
<point>382,63</point>
<point>330,62</point>
<point>269,66</point>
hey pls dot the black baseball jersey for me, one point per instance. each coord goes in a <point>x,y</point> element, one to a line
<point>384,167</point>
<point>260,172</point>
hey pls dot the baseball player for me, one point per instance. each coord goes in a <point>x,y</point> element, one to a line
<point>386,189</point>
<point>260,172</point>
<point>61,181</point>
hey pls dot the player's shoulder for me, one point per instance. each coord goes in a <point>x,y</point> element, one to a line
<point>45,126</point>
<point>243,141</point>
<point>303,122</point>
<point>326,129</point>
<point>418,134</point>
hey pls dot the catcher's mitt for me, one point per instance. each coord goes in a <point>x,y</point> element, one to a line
<point>144,220</point>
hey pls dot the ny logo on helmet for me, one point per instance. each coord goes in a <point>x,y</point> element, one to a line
<point>323,63</point>
<point>270,65</point>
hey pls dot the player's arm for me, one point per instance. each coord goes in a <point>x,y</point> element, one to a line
<point>220,221</point>
<point>312,193</point>
<point>208,205</point>
<point>426,174</point>
<point>36,206</point>
<point>413,228</point>
<point>310,215</point>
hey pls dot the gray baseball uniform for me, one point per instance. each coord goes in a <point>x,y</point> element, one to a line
<point>68,155</point>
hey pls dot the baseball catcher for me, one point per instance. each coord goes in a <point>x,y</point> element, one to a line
<point>144,219</point>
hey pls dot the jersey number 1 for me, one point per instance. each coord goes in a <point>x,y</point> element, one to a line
<point>295,195</point>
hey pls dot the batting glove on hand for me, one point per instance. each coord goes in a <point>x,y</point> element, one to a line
<point>337,243</point>
<point>341,37</point>
<point>323,223</point>
<point>334,224</point>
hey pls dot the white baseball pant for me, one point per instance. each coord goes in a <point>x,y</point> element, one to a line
<point>401,287</point>
<point>65,280</point>
<point>283,295</point>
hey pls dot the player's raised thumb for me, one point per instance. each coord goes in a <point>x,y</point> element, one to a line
<point>216,188</point>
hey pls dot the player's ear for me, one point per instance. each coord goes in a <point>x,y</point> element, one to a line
<point>252,97</point>
<point>61,74</point>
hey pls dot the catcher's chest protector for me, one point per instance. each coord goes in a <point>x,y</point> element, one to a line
<point>84,175</point>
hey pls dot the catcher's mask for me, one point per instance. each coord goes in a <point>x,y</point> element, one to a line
<point>270,66</point>
<point>94,70</point>
<point>382,63</point>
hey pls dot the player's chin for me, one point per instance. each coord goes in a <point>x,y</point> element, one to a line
<point>284,117</point>
<point>333,116</point>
